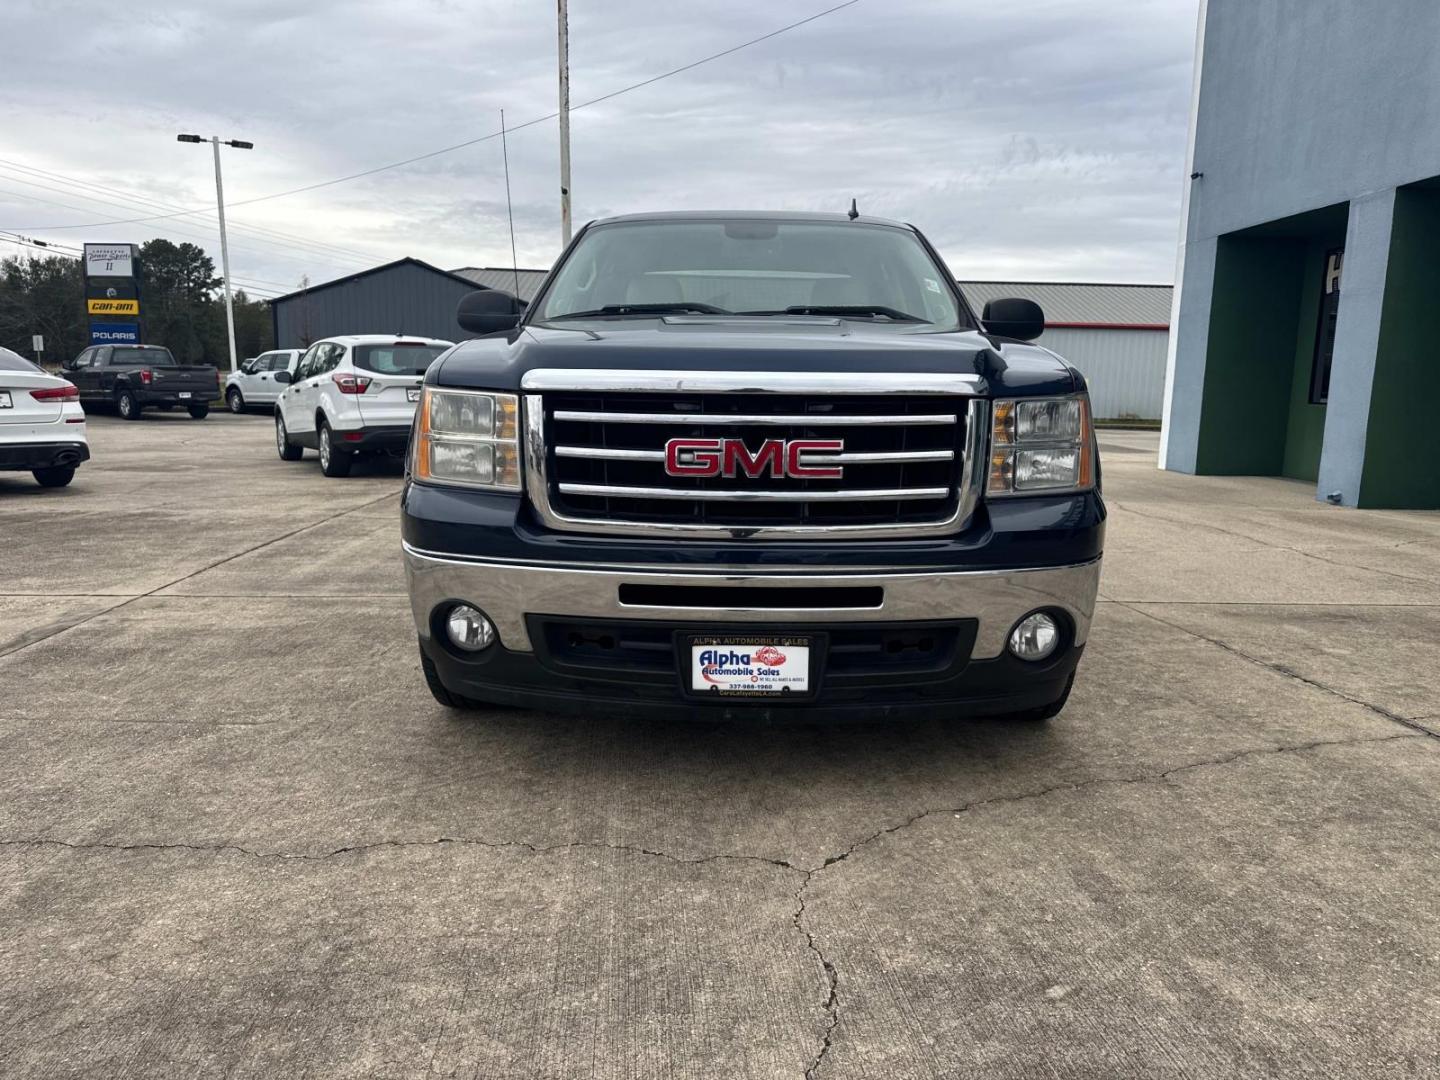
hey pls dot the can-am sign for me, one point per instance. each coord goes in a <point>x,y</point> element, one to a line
<point>110,260</point>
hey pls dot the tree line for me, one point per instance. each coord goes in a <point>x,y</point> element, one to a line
<point>181,307</point>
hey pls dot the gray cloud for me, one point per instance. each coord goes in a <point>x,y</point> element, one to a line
<point>1042,138</point>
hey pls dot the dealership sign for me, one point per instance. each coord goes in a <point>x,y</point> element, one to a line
<point>121,333</point>
<point>110,260</point>
<point>113,307</point>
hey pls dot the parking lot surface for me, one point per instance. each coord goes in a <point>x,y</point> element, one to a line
<point>239,839</point>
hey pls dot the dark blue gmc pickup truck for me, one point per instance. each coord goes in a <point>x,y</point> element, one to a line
<point>759,465</point>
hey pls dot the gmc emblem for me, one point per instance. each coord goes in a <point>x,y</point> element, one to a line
<point>731,457</point>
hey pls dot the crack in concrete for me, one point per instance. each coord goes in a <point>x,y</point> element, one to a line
<point>67,626</point>
<point>1288,672</point>
<point>831,1005</point>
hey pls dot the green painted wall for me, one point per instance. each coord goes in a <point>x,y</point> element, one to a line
<point>1305,423</point>
<point>1250,361</point>
<point>1402,447</point>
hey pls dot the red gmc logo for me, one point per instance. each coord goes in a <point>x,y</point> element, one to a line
<point>731,457</point>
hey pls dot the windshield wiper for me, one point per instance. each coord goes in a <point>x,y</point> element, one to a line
<point>844,311</point>
<point>683,308</point>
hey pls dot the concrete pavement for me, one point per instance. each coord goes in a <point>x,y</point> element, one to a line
<point>239,839</point>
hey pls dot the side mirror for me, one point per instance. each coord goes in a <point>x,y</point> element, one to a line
<point>283,377</point>
<point>487,311</point>
<point>1020,319</point>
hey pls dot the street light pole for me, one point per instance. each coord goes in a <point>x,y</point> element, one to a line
<point>215,143</point>
<point>224,252</point>
<point>563,13</point>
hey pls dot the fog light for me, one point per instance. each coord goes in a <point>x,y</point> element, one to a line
<point>469,629</point>
<point>1034,637</point>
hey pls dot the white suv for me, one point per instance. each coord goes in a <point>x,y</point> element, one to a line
<point>254,384</point>
<point>352,395</point>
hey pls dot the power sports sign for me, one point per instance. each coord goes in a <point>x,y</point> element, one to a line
<point>110,260</point>
<point>112,293</point>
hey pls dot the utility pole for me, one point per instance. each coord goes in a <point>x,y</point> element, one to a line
<point>563,13</point>
<point>215,143</point>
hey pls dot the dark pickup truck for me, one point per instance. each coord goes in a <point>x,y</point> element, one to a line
<point>133,377</point>
<point>752,465</point>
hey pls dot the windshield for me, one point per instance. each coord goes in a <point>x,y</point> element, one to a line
<point>147,356</point>
<point>752,266</point>
<point>409,359</point>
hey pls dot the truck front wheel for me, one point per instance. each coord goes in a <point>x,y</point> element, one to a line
<point>437,688</point>
<point>1041,713</point>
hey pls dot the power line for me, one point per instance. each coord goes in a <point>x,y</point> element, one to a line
<point>472,142</point>
<point>249,284</point>
<point>314,256</point>
<point>126,197</point>
<point>308,259</point>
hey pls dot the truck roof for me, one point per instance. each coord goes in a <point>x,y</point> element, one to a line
<point>750,215</point>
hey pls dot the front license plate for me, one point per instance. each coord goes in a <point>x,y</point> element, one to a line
<point>413,395</point>
<point>5,402</point>
<point>183,394</point>
<point>745,665</point>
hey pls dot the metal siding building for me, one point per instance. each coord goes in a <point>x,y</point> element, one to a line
<point>495,277</point>
<point>1117,335</point>
<point>402,297</point>
<point>1304,342</point>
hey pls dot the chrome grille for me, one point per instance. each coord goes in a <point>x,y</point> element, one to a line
<point>596,454</point>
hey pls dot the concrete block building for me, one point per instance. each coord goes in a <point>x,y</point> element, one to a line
<point>1309,277</point>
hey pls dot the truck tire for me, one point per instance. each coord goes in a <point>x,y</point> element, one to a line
<point>437,688</point>
<point>333,461</point>
<point>200,411</point>
<point>55,477</point>
<point>127,406</point>
<point>235,399</point>
<point>1041,713</point>
<point>288,451</point>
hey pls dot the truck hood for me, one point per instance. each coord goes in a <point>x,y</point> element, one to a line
<point>716,343</point>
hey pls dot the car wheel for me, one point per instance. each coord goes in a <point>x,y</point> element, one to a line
<point>333,461</point>
<point>235,400</point>
<point>288,450</point>
<point>199,412</point>
<point>127,406</point>
<point>1041,713</point>
<point>437,688</point>
<point>59,476</point>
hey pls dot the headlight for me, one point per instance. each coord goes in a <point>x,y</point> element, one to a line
<point>468,438</point>
<point>1041,446</point>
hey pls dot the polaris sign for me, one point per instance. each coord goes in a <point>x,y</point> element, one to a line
<point>104,333</point>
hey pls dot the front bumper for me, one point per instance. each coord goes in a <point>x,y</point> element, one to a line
<point>968,612</point>
<point>24,457</point>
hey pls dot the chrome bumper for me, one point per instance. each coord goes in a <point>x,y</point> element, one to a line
<point>507,592</point>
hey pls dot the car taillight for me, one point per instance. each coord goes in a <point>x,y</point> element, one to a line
<point>351,384</point>
<point>146,376</point>
<point>57,393</point>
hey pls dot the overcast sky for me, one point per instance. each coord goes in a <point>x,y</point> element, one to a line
<point>1033,139</point>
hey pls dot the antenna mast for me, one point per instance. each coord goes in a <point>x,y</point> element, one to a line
<point>509,210</point>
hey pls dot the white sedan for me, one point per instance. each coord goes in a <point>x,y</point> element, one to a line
<point>254,384</point>
<point>42,426</point>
